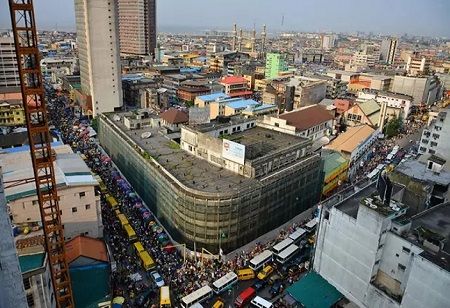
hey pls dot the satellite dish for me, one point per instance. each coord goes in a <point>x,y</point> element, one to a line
<point>146,135</point>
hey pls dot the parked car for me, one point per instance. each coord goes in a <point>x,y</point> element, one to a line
<point>277,288</point>
<point>157,278</point>
<point>259,285</point>
<point>274,278</point>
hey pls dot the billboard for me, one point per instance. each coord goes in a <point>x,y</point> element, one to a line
<point>233,151</point>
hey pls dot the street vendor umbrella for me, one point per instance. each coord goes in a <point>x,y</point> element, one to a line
<point>169,248</point>
<point>118,300</point>
<point>131,195</point>
<point>146,215</point>
<point>137,205</point>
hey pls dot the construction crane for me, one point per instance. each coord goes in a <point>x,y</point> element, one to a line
<point>42,157</point>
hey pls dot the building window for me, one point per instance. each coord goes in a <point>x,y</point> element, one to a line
<point>26,283</point>
<point>30,300</point>
<point>397,255</point>
<point>406,250</point>
<point>277,124</point>
<point>35,202</point>
<point>82,194</point>
<point>87,206</point>
<point>401,267</point>
<point>74,210</point>
<point>377,262</point>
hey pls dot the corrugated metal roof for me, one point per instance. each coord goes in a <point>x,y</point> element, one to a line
<point>212,96</point>
<point>369,107</point>
<point>313,291</point>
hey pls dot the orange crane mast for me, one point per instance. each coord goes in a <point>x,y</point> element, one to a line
<point>33,97</point>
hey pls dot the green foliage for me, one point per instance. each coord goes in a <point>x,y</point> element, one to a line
<point>392,128</point>
<point>173,145</point>
<point>94,124</point>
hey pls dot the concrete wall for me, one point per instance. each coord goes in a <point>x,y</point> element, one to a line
<point>428,285</point>
<point>26,210</point>
<point>12,292</point>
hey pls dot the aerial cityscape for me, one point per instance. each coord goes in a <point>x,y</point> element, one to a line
<point>224,154</point>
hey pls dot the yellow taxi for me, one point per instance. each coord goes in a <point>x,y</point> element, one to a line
<point>265,273</point>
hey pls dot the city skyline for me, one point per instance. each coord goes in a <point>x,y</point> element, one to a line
<point>411,17</point>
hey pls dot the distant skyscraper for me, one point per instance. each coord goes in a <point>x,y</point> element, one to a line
<point>388,50</point>
<point>275,63</point>
<point>328,41</point>
<point>137,26</point>
<point>9,73</point>
<point>98,50</point>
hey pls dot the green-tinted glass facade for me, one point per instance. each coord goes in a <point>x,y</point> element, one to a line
<point>194,215</point>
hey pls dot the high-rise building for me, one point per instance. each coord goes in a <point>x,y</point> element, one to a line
<point>137,26</point>
<point>388,50</point>
<point>9,72</point>
<point>275,63</point>
<point>328,41</point>
<point>98,50</point>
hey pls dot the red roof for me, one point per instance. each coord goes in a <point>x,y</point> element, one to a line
<point>342,104</point>
<point>174,116</point>
<point>233,80</point>
<point>84,246</point>
<point>308,117</point>
<point>240,93</point>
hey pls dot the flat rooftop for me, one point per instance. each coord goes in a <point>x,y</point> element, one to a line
<point>70,170</point>
<point>418,170</point>
<point>193,172</point>
<point>436,222</point>
<point>351,205</point>
<point>260,141</point>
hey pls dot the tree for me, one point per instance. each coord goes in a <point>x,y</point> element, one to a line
<point>392,128</point>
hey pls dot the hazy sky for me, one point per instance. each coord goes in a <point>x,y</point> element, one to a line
<point>419,17</point>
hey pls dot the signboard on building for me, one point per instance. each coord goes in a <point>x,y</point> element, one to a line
<point>233,151</point>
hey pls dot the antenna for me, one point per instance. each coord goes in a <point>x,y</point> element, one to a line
<point>282,20</point>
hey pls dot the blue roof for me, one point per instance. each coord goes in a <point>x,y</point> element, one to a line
<point>244,103</point>
<point>263,107</point>
<point>190,70</point>
<point>212,96</point>
<point>31,262</point>
<point>132,77</point>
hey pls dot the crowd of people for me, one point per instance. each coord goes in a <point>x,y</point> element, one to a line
<point>128,279</point>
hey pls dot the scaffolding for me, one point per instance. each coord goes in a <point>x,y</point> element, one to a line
<point>32,88</point>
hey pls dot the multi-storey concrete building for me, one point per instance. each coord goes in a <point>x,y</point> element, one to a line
<point>377,256</point>
<point>79,203</point>
<point>424,90</point>
<point>12,113</point>
<point>219,188</point>
<point>12,289</point>
<point>98,51</point>
<point>58,67</point>
<point>9,72</point>
<point>328,41</point>
<point>275,64</point>
<point>137,26</point>
<point>418,65</point>
<point>388,50</point>
<point>436,137</point>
